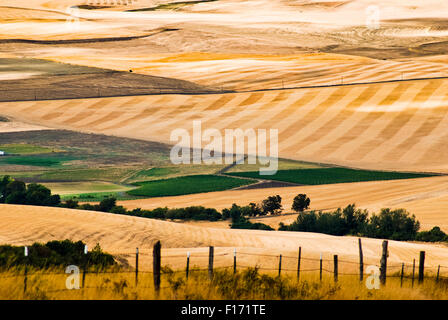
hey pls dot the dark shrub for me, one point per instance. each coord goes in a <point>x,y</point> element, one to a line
<point>301,202</point>
<point>433,235</point>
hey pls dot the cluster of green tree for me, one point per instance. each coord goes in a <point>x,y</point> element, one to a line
<point>395,224</point>
<point>238,216</point>
<point>433,235</point>
<point>188,213</point>
<point>54,254</point>
<point>271,205</point>
<point>17,192</point>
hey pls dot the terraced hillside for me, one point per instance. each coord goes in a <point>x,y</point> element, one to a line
<point>397,126</point>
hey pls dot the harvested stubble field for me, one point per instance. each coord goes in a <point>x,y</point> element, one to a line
<point>120,235</point>
<point>394,126</point>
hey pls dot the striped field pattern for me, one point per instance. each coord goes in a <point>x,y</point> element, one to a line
<point>398,125</point>
<point>252,73</point>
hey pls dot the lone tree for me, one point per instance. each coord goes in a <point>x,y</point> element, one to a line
<point>272,205</point>
<point>301,202</point>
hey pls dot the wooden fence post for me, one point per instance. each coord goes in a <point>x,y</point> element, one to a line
<point>279,265</point>
<point>234,261</point>
<point>156,263</point>
<point>25,280</point>
<point>84,271</point>
<point>402,274</point>
<point>187,270</point>
<point>298,263</point>
<point>136,266</point>
<point>421,267</point>
<point>438,273</point>
<point>413,273</point>
<point>210,262</point>
<point>383,268</point>
<point>361,261</point>
<point>335,268</point>
<point>320,268</point>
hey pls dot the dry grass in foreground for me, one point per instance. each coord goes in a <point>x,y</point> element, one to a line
<point>245,285</point>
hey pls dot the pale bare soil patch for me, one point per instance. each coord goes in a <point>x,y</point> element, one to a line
<point>15,126</point>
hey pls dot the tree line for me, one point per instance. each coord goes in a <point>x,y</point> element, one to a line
<point>394,224</point>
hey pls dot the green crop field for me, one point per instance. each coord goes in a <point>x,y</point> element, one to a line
<point>24,148</point>
<point>37,161</point>
<point>329,175</point>
<point>187,185</point>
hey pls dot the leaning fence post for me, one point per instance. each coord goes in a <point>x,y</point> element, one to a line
<point>298,263</point>
<point>383,268</point>
<point>84,271</point>
<point>279,265</point>
<point>136,266</point>
<point>187,270</point>
<point>421,267</point>
<point>335,268</point>
<point>25,280</point>
<point>210,262</point>
<point>402,274</point>
<point>361,261</point>
<point>413,273</point>
<point>320,268</point>
<point>234,261</point>
<point>156,263</point>
<point>438,273</point>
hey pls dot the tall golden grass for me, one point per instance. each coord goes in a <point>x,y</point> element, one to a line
<point>246,284</point>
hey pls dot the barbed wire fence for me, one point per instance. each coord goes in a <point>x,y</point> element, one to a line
<point>279,265</point>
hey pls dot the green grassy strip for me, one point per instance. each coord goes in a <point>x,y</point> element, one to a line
<point>36,160</point>
<point>23,148</point>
